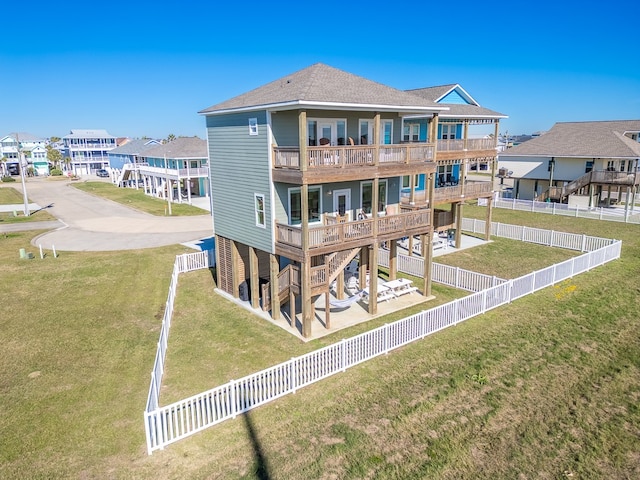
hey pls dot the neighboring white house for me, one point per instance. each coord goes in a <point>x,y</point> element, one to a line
<point>39,160</point>
<point>31,146</point>
<point>88,150</point>
<point>577,162</point>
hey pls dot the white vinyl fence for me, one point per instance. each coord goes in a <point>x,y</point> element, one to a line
<point>551,238</point>
<point>183,263</point>
<point>447,275</point>
<point>166,425</point>
<point>631,215</point>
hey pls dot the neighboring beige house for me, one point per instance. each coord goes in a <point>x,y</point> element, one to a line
<point>580,163</point>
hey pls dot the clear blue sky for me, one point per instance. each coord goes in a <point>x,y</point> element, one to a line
<point>139,70</point>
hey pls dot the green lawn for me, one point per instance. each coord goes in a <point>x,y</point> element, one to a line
<point>137,199</point>
<point>11,196</point>
<point>546,387</point>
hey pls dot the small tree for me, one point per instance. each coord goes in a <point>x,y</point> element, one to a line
<point>3,160</point>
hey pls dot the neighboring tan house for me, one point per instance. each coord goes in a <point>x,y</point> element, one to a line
<point>177,170</point>
<point>580,163</point>
<point>307,174</point>
<point>88,150</point>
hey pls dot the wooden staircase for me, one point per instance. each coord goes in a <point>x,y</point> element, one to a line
<point>323,275</point>
<point>559,194</point>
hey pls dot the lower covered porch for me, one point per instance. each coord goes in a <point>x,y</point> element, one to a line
<point>357,312</point>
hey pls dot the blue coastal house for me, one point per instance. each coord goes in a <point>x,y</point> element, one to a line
<point>453,134</point>
<point>322,167</point>
<point>177,170</point>
<point>130,152</point>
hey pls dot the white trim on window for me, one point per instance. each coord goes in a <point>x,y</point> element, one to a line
<point>253,126</point>
<point>335,130</point>
<point>368,137</point>
<point>384,123</point>
<point>260,210</point>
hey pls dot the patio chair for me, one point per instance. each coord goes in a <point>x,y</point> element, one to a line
<point>352,285</point>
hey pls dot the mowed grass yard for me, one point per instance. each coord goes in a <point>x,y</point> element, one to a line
<point>10,196</point>
<point>137,199</point>
<point>546,387</point>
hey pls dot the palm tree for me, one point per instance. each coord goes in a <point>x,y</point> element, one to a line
<point>54,156</point>
<point>3,160</point>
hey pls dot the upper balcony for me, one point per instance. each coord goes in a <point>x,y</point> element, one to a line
<point>447,194</point>
<point>341,236</point>
<point>470,148</point>
<point>173,173</point>
<point>351,162</point>
<point>91,146</point>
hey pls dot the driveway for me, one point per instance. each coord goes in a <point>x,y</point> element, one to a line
<point>91,223</point>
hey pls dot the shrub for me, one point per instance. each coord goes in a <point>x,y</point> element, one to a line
<point>55,172</point>
<point>8,179</point>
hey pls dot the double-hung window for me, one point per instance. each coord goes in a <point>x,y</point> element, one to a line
<point>411,132</point>
<point>259,209</point>
<point>448,131</point>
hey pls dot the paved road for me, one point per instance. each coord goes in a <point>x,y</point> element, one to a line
<point>90,223</point>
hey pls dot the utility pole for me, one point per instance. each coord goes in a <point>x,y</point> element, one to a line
<point>168,184</point>
<point>23,164</point>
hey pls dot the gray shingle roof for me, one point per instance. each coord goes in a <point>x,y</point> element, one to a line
<point>26,137</point>
<point>323,85</point>
<point>134,147</point>
<point>181,147</point>
<point>433,93</point>
<point>583,139</point>
<point>455,110</point>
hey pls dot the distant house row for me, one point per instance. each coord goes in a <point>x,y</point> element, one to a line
<point>177,170</point>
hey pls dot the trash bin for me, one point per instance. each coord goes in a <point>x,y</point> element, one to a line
<point>243,291</point>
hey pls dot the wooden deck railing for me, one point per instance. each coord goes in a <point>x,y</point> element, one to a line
<point>472,144</point>
<point>354,156</point>
<point>469,190</point>
<point>345,232</point>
